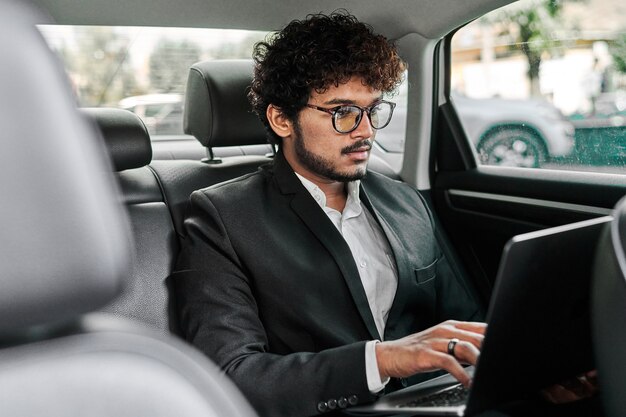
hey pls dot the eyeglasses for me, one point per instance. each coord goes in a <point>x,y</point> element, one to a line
<point>346,118</point>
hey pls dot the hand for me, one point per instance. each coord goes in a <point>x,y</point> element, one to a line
<point>428,351</point>
<point>583,386</point>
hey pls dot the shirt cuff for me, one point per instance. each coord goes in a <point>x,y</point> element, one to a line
<point>374,383</point>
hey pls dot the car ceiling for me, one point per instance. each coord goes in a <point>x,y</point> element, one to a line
<point>431,19</point>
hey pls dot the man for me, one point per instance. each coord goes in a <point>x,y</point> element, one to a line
<point>315,284</point>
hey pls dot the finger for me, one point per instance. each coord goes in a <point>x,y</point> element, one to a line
<point>472,326</point>
<point>547,395</point>
<point>589,387</point>
<point>451,365</point>
<point>466,352</point>
<point>565,395</point>
<point>474,338</point>
<point>592,378</point>
<point>453,333</point>
<point>580,386</point>
<point>557,394</point>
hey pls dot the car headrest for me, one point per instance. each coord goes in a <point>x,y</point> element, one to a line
<point>125,136</point>
<point>217,111</point>
<point>64,247</point>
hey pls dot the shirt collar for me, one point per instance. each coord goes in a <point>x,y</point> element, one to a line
<point>353,204</point>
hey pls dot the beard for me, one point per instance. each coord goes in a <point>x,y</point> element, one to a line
<point>325,167</point>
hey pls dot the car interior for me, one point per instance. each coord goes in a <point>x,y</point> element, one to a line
<point>93,216</point>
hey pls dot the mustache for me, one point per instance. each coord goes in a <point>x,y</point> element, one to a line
<point>365,143</point>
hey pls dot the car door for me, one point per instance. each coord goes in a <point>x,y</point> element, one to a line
<point>483,199</point>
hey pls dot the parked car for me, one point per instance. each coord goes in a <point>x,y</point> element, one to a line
<point>518,133</point>
<point>162,113</point>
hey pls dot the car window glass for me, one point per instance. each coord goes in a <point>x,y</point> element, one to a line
<point>542,83</point>
<point>154,109</point>
<point>390,140</point>
<point>143,70</point>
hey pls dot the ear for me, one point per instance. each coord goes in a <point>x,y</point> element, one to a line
<point>280,124</point>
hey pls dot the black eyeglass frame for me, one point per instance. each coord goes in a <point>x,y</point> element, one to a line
<point>333,112</point>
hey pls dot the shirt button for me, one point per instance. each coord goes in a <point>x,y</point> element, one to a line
<point>363,264</point>
<point>404,382</point>
<point>353,400</point>
<point>343,402</point>
<point>322,406</point>
<point>332,404</point>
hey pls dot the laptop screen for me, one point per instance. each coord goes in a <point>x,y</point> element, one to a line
<point>539,322</point>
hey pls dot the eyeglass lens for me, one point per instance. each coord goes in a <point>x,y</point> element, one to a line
<point>347,118</point>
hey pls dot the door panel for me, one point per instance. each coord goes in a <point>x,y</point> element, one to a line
<point>482,207</point>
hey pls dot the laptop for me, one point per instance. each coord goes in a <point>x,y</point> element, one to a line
<point>538,332</point>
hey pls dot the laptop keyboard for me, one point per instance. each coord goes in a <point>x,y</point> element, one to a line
<point>449,397</point>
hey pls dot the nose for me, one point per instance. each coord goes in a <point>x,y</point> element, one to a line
<point>364,130</point>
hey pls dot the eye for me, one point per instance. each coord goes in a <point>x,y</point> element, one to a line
<point>346,118</point>
<point>378,108</point>
<point>346,111</point>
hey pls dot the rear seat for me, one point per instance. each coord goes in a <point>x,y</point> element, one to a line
<point>145,297</point>
<point>156,192</point>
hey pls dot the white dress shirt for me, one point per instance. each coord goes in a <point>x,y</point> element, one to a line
<point>374,260</point>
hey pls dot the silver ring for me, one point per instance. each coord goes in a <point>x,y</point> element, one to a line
<point>451,345</point>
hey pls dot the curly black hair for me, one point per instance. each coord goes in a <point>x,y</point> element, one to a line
<point>314,54</point>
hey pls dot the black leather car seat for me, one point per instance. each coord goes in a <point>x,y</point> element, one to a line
<point>217,114</point>
<point>608,305</point>
<point>145,296</point>
<point>65,252</point>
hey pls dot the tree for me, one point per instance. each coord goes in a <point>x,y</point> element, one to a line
<point>239,49</point>
<point>618,52</point>
<point>169,65</point>
<point>101,53</point>
<point>532,29</point>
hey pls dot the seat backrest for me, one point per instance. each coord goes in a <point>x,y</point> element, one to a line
<point>145,296</point>
<point>65,251</point>
<point>64,242</point>
<point>609,312</point>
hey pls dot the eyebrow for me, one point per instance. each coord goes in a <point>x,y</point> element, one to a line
<point>340,101</point>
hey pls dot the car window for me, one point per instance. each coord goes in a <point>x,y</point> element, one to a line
<point>155,109</point>
<point>143,70</point>
<point>390,140</point>
<point>542,83</point>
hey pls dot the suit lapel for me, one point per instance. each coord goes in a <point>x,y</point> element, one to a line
<point>320,225</point>
<point>402,264</point>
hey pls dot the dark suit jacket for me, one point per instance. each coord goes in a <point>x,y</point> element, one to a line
<point>268,288</point>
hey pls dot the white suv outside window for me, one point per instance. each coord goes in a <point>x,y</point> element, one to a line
<point>542,84</point>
